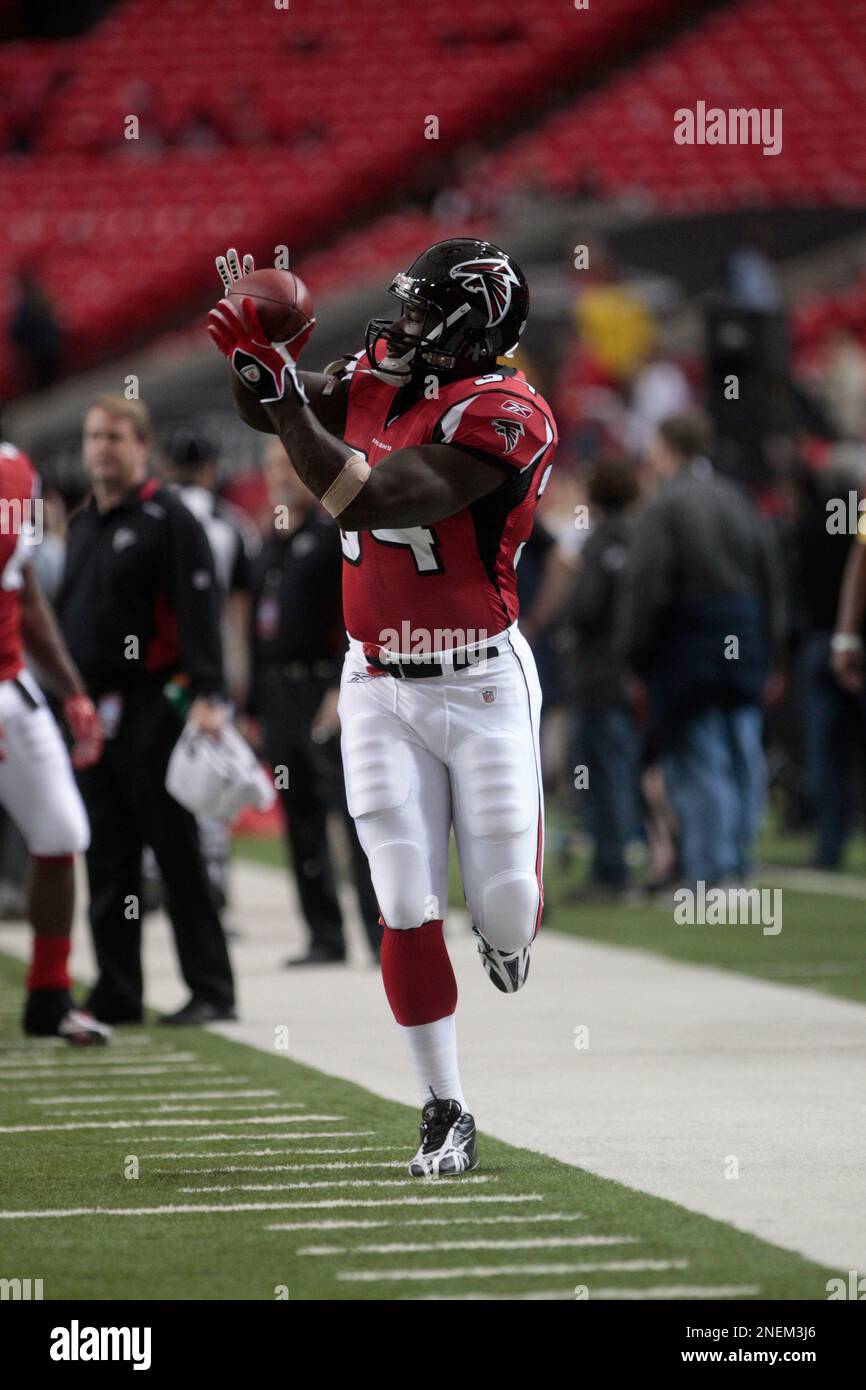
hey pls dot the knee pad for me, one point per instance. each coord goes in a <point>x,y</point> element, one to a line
<point>67,833</point>
<point>498,787</point>
<point>509,909</point>
<point>401,881</point>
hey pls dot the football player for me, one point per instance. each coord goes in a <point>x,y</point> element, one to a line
<point>431,454</point>
<point>37,786</point>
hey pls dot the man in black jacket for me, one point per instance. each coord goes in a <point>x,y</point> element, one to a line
<point>704,618</point>
<point>297,649</point>
<point>139,611</point>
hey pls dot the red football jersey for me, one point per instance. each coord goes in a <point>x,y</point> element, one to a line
<point>19,485</point>
<point>452,584</point>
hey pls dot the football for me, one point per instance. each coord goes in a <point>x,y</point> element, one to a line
<point>282,302</point>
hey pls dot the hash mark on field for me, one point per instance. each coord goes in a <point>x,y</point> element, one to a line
<point>199,1068</point>
<point>269,1153</point>
<point>48,1083</point>
<point>661,1291</point>
<point>327,1203</point>
<point>72,1063</point>
<point>476,1178</point>
<point>161,1124</point>
<point>450,1221</point>
<point>182,1109</point>
<point>681,1291</point>
<point>241,1138</point>
<point>148,1097</point>
<point>370,1276</point>
<point>277,1167</point>
<point>429,1247</point>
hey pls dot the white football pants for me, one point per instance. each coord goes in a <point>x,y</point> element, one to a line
<point>37,784</point>
<point>459,749</point>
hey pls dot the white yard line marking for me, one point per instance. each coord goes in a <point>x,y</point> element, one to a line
<point>38,1087</point>
<point>457,1220</point>
<point>198,1068</point>
<point>679,1291</point>
<point>241,1138</point>
<point>161,1124</point>
<point>362,1163</point>
<point>428,1247</point>
<point>372,1276</point>
<point>474,1179</point>
<point>251,1106</point>
<point>69,1061</point>
<point>267,1153</point>
<point>148,1097</point>
<point>327,1204</point>
<point>662,1291</point>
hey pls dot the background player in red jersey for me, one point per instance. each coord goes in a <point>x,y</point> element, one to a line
<point>432,456</point>
<point>37,787</point>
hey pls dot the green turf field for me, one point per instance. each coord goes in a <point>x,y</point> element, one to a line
<point>345,1229</point>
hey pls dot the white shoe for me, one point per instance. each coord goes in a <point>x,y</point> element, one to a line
<point>507,969</point>
<point>447,1141</point>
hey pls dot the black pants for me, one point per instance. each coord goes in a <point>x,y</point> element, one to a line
<point>316,786</point>
<point>128,808</point>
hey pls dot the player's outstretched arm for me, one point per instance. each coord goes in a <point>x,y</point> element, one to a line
<point>327,396</point>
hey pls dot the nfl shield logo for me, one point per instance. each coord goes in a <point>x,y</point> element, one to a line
<point>488,695</point>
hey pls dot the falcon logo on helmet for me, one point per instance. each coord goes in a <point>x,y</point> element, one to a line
<point>511,431</point>
<point>470,303</point>
<point>492,279</point>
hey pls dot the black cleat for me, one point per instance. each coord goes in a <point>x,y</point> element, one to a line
<point>51,1013</point>
<point>447,1141</point>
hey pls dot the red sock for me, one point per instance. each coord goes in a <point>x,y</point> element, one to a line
<point>49,963</point>
<point>417,974</point>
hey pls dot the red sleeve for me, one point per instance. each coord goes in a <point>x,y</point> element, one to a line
<point>511,431</point>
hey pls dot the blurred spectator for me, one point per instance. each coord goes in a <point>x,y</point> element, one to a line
<point>606,739</point>
<point>298,644</point>
<point>704,613</point>
<point>843,385</point>
<point>35,332</point>
<point>660,390</point>
<point>191,466</point>
<point>833,719</point>
<point>752,280</point>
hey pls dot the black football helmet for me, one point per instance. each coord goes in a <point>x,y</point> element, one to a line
<point>475,301</point>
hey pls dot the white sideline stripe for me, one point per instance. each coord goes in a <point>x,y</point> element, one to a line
<point>277,1167</point>
<point>427,1247</point>
<point>450,1221</point>
<point>372,1276</point>
<point>211,1138</point>
<point>661,1291</point>
<point>331,1182</point>
<point>161,1124</point>
<point>327,1203</point>
<point>266,1153</point>
<point>147,1097</point>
